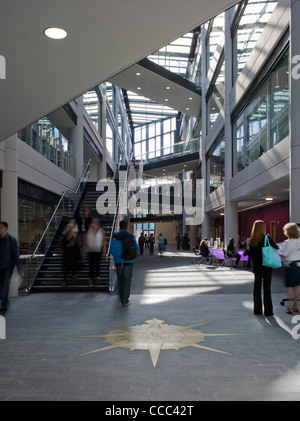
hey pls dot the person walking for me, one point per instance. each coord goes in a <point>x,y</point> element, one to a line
<point>141,243</point>
<point>290,252</point>
<point>70,250</point>
<point>124,267</point>
<point>83,224</point>
<point>161,244</point>
<point>151,243</point>
<point>9,258</point>
<point>262,274</point>
<point>178,241</point>
<point>94,245</point>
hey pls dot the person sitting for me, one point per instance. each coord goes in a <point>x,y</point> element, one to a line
<point>205,252</point>
<point>231,252</point>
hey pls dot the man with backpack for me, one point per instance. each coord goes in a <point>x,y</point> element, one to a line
<point>124,249</point>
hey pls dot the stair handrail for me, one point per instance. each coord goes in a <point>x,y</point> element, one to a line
<point>57,206</point>
<point>117,211</point>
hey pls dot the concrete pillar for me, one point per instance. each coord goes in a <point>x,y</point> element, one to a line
<point>231,208</point>
<point>294,111</point>
<point>9,191</point>
<point>77,141</point>
<point>205,226</point>
<point>102,121</point>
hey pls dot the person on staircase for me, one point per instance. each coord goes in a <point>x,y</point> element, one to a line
<point>94,245</point>
<point>70,250</point>
<point>83,224</point>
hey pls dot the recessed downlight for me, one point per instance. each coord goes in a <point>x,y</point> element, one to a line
<point>55,33</point>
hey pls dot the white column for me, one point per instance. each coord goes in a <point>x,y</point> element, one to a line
<point>205,226</point>
<point>231,208</point>
<point>294,113</point>
<point>77,140</point>
<point>102,119</point>
<point>9,191</point>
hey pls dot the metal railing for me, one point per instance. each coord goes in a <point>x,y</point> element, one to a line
<point>66,207</point>
<point>114,228</point>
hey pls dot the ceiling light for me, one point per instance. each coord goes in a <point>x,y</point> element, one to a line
<point>187,108</point>
<point>166,99</point>
<point>168,87</point>
<point>190,98</point>
<point>138,88</point>
<point>269,199</point>
<point>138,74</point>
<point>55,33</point>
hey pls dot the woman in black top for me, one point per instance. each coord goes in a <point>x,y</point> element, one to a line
<point>231,252</point>
<point>262,274</point>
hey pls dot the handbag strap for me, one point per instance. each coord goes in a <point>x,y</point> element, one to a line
<point>267,243</point>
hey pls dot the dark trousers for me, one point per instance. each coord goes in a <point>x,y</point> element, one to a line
<point>262,278</point>
<point>94,264</point>
<point>124,274</point>
<point>5,275</point>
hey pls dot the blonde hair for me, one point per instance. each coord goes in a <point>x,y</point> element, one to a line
<point>258,231</point>
<point>291,230</point>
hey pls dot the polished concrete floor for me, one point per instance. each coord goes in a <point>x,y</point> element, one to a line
<point>206,343</point>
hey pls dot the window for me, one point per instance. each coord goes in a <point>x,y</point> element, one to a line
<point>216,94</point>
<point>265,120</point>
<point>216,34</point>
<point>216,165</point>
<point>155,140</point>
<point>248,29</point>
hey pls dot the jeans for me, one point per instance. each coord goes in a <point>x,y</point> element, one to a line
<point>5,275</point>
<point>124,274</point>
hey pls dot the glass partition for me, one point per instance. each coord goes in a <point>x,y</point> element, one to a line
<point>46,139</point>
<point>216,166</point>
<point>216,95</point>
<point>265,121</point>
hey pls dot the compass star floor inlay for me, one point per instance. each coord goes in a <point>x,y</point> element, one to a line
<point>155,336</point>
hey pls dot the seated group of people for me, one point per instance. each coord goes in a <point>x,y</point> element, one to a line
<point>231,252</point>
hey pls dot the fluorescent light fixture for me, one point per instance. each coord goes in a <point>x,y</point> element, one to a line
<point>55,33</point>
<point>269,199</point>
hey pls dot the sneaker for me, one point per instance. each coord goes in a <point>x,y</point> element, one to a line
<point>126,304</point>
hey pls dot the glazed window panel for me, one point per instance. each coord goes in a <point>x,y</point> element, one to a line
<point>250,27</point>
<point>217,166</point>
<point>216,98</point>
<point>265,121</point>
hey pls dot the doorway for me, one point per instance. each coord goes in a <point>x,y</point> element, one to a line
<point>273,230</point>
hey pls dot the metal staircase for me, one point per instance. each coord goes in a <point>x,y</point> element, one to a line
<point>50,274</point>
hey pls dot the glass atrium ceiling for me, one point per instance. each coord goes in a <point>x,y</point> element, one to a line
<point>177,58</point>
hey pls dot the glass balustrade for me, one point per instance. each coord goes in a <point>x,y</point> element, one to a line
<point>171,151</point>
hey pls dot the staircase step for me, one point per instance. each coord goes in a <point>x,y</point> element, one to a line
<point>50,275</point>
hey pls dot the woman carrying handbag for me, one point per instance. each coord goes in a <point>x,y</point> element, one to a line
<point>262,274</point>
